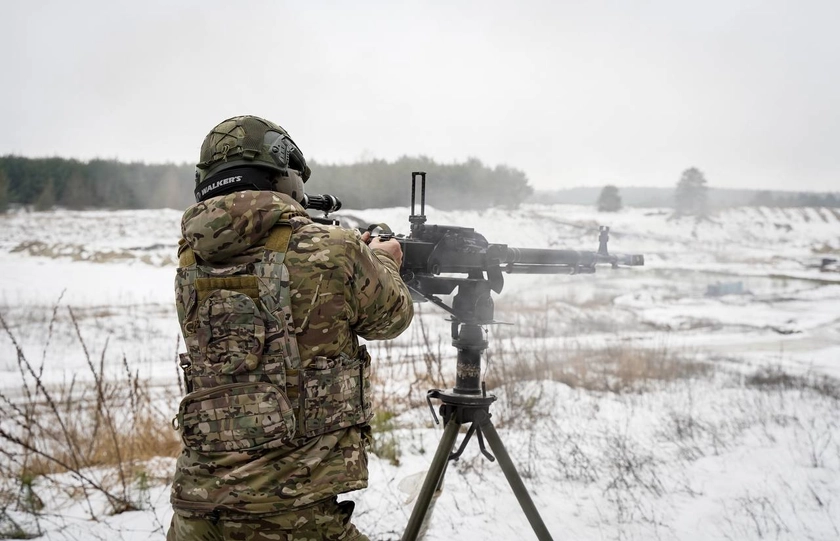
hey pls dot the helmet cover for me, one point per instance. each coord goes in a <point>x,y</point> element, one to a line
<point>252,142</point>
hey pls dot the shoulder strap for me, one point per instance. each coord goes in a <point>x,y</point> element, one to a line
<point>186,258</point>
<point>278,239</point>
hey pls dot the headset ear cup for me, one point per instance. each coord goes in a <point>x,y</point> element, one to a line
<point>290,184</point>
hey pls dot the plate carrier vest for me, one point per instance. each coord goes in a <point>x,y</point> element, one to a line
<point>242,371</point>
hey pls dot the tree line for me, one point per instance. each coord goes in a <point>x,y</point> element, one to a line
<point>44,183</point>
<point>691,197</point>
<point>800,199</point>
<point>378,183</point>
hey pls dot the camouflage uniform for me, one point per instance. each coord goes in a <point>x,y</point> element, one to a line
<point>324,521</point>
<point>236,486</point>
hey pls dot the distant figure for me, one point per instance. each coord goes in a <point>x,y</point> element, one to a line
<point>271,305</point>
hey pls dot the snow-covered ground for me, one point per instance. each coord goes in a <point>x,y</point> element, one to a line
<point>742,442</point>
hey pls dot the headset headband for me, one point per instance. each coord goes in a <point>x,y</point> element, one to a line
<point>234,180</point>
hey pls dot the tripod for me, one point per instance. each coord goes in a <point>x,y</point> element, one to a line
<point>469,403</point>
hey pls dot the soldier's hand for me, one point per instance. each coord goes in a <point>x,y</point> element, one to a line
<point>391,246</point>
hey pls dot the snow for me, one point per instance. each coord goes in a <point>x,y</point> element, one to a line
<point>711,455</point>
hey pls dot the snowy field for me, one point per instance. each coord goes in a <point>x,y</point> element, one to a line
<point>635,404</point>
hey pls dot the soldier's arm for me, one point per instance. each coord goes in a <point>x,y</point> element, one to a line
<point>381,301</point>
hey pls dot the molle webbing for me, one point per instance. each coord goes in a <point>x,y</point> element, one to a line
<point>247,285</point>
<point>243,370</point>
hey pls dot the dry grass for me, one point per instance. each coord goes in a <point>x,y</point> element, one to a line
<point>617,368</point>
<point>78,252</point>
<point>75,252</point>
<point>100,433</point>
<point>620,369</point>
<point>88,440</point>
<point>403,375</point>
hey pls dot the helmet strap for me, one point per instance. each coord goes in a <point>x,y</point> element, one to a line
<point>234,180</point>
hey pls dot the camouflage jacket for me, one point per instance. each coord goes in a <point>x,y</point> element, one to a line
<point>340,290</point>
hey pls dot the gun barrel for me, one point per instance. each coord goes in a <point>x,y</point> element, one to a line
<point>531,260</point>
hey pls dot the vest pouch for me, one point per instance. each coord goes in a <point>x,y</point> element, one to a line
<point>230,333</point>
<point>335,394</point>
<point>236,417</point>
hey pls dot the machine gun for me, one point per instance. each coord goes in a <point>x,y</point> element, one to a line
<point>432,254</point>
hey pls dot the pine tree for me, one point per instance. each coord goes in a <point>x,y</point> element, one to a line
<point>609,200</point>
<point>4,192</point>
<point>691,196</point>
<point>46,199</point>
<point>75,196</point>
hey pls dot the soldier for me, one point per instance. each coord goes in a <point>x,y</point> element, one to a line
<point>271,305</point>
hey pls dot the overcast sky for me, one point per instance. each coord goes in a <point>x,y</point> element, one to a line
<point>573,93</point>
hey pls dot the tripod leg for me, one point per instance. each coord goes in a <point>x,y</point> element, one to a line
<point>432,481</point>
<point>513,478</point>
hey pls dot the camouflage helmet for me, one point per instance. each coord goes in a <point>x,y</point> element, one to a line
<point>248,152</point>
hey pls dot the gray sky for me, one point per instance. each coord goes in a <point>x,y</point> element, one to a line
<point>573,93</point>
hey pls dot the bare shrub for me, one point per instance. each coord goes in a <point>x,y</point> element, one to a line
<point>573,462</point>
<point>432,357</point>
<point>99,432</point>
<point>632,478</point>
<point>818,436</point>
<point>756,516</point>
<point>400,379</point>
<point>775,377</point>
<point>691,433</point>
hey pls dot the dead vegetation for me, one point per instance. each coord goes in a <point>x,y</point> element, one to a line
<point>775,377</point>
<point>89,438</point>
<point>78,252</point>
<point>616,368</point>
